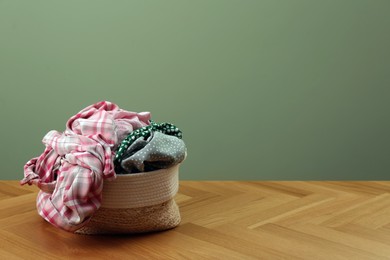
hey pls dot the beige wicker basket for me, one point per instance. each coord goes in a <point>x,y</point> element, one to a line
<point>137,203</point>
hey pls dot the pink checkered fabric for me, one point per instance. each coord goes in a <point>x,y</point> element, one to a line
<point>71,170</point>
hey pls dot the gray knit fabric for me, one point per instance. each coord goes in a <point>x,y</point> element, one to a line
<point>159,151</point>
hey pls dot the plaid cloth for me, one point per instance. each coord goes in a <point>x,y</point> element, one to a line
<point>71,169</point>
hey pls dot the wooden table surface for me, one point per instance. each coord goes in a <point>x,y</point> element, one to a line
<point>222,220</point>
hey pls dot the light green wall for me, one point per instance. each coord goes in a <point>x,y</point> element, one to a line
<point>274,89</point>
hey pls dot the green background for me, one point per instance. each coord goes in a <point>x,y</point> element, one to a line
<point>266,90</point>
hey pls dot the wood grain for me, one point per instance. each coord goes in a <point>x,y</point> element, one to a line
<point>223,220</point>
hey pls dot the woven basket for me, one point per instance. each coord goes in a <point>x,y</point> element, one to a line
<point>137,203</point>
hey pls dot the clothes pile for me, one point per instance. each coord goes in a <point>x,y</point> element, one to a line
<point>100,141</point>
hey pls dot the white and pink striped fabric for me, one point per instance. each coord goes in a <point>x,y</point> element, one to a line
<point>71,169</point>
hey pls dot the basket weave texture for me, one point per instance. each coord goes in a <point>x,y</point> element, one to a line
<point>137,203</point>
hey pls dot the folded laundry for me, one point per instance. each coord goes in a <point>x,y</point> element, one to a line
<point>159,151</point>
<point>144,133</point>
<point>71,169</point>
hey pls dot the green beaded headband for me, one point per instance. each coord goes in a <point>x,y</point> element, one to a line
<point>145,132</point>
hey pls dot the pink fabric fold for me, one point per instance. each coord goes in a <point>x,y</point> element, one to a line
<point>71,170</point>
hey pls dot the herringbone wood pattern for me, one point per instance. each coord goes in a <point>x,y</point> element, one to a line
<point>223,220</point>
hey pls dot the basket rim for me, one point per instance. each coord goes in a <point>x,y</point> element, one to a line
<point>141,189</point>
<point>140,174</point>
